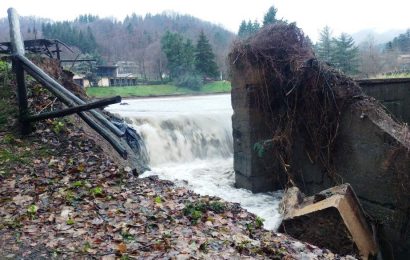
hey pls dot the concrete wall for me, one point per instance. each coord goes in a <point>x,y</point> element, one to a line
<point>252,172</point>
<point>104,82</point>
<point>393,93</point>
<point>365,153</point>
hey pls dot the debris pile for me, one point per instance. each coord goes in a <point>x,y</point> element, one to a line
<point>299,122</point>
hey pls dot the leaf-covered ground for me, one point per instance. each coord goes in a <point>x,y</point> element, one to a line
<point>61,197</point>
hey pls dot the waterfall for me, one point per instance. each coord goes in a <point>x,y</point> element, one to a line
<point>184,139</point>
<point>189,141</point>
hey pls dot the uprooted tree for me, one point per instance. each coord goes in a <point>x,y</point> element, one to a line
<point>300,122</point>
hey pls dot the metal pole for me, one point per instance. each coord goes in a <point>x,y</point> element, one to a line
<point>16,39</point>
<point>75,110</point>
<point>17,46</point>
<point>66,100</point>
<point>54,84</point>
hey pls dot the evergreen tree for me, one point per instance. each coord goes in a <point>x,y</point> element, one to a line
<point>400,43</point>
<point>65,32</point>
<point>270,16</point>
<point>250,28</point>
<point>325,47</point>
<point>242,32</point>
<point>346,54</point>
<point>180,54</point>
<point>188,56</point>
<point>205,58</point>
<point>172,46</point>
<point>247,29</point>
<point>256,26</point>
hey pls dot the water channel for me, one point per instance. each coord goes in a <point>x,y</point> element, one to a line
<point>189,142</point>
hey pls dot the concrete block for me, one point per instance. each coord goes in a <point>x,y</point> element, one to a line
<point>332,219</point>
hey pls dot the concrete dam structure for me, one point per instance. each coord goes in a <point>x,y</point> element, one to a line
<point>298,122</point>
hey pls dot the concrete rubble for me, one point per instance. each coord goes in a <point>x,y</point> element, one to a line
<point>332,219</point>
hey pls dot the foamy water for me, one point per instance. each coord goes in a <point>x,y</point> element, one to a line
<point>189,141</point>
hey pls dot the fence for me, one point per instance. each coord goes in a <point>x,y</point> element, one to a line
<point>93,118</point>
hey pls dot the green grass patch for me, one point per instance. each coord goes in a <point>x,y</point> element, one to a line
<point>393,76</point>
<point>216,87</point>
<point>157,90</point>
<point>7,155</point>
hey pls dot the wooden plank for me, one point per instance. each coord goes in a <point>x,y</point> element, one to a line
<point>76,109</point>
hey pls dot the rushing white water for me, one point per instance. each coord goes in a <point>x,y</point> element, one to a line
<point>189,141</point>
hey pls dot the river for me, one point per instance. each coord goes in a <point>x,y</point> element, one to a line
<point>189,142</point>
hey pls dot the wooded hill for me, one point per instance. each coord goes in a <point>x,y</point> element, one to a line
<point>136,38</point>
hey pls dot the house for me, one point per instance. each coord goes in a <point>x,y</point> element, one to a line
<point>121,74</point>
<point>81,80</point>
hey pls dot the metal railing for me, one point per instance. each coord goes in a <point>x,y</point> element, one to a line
<point>93,118</point>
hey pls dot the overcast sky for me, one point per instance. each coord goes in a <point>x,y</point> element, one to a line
<point>348,16</point>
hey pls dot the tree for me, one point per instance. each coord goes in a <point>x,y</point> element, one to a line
<point>242,32</point>
<point>370,57</point>
<point>205,58</point>
<point>346,54</point>
<point>65,32</point>
<point>247,29</point>
<point>270,16</point>
<point>137,38</point>
<point>255,26</point>
<point>188,56</point>
<point>180,54</point>
<point>401,42</point>
<point>172,46</point>
<point>325,47</point>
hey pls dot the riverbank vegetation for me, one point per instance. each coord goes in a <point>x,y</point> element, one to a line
<point>158,90</point>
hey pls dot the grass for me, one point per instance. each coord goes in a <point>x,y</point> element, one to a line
<point>158,90</point>
<point>393,76</point>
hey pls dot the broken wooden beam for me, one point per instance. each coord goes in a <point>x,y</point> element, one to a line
<point>76,109</point>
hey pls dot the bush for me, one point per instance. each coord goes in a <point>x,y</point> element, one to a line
<point>4,71</point>
<point>192,81</point>
<point>3,66</point>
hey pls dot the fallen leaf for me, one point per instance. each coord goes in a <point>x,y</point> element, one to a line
<point>51,244</point>
<point>97,221</point>
<point>108,257</point>
<point>52,217</point>
<point>20,200</point>
<point>122,248</point>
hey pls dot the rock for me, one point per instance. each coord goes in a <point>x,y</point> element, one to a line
<point>291,200</point>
